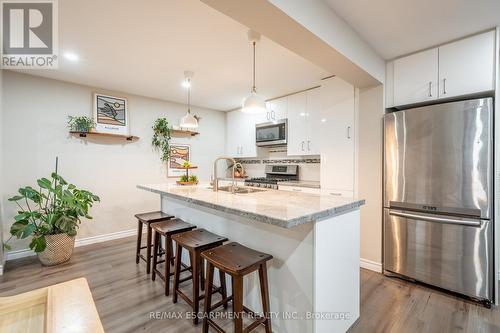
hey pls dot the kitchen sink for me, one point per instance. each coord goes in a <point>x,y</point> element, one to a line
<point>238,190</point>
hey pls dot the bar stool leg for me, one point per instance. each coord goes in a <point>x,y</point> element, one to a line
<point>177,271</point>
<point>238,303</point>
<point>139,238</point>
<point>196,284</point>
<point>208,296</point>
<point>222,278</point>
<point>202,274</point>
<point>168,259</point>
<point>171,252</point>
<point>155,256</point>
<point>148,250</point>
<point>264,293</point>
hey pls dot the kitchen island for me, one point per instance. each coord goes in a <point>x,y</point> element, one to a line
<point>314,239</point>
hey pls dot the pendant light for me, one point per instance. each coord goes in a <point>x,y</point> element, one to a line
<point>188,121</point>
<point>254,103</point>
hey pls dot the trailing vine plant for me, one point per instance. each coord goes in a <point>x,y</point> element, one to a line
<point>161,138</point>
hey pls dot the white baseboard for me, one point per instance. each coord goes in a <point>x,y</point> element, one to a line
<point>12,255</point>
<point>106,237</point>
<point>371,265</point>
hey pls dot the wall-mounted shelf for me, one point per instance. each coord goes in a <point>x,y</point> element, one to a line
<point>109,135</point>
<point>177,132</point>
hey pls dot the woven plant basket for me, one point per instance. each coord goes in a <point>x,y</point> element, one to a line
<point>59,249</point>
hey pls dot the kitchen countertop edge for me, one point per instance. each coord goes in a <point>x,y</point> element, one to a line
<point>321,215</point>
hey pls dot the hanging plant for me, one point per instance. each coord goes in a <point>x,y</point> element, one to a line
<point>161,138</point>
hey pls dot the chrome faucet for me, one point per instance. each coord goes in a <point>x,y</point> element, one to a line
<point>215,185</point>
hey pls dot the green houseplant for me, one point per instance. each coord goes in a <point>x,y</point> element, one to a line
<point>161,138</point>
<point>51,215</point>
<point>81,124</point>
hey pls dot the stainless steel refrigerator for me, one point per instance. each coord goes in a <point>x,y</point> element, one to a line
<point>438,196</point>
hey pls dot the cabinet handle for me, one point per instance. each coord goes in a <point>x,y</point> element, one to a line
<point>308,145</point>
<point>337,194</point>
<point>444,86</point>
<point>348,132</point>
<point>241,150</point>
<point>273,115</point>
<point>430,88</point>
<point>296,189</point>
<point>303,145</point>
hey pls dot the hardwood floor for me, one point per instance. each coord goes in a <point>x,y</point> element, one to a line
<point>126,298</point>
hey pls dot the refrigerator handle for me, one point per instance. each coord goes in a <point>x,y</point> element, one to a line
<point>469,223</point>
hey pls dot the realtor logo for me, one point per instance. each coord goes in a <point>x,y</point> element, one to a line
<point>29,34</point>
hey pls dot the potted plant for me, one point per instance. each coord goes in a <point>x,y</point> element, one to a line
<point>161,138</point>
<point>51,215</point>
<point>187,179</point>
<point>81,124</point>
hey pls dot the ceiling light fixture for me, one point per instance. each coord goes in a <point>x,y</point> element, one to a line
<point>71,56</point>
<point>188,121</point>
<point>253,103</point>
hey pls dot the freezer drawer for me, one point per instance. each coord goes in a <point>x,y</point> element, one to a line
<point>444,251</point>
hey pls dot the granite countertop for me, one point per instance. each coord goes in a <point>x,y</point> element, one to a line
<point>301,183</point>
<point>281,208</point>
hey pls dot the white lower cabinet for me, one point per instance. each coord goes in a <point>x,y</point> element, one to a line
<point>337,193</point>
<point>299,189</point>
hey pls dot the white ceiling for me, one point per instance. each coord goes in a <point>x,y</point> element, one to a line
<point>398,27</point>
<point>143,47</point>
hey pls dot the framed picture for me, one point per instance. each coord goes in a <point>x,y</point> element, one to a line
<point>111,114</point>
<point>178,155</point>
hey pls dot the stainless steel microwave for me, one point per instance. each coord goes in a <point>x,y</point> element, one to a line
<point>271,134</point>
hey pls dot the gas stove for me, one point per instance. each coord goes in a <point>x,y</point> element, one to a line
<point>274,175</point>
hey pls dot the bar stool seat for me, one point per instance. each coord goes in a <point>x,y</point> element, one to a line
<point>196,241</point>
<point>147,219</point>
<point>237,260</point>
<point>167,229</point>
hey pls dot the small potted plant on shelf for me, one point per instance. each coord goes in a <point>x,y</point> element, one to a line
<point>82,124</point>
<point>161,138</point>
<point>51,215</point>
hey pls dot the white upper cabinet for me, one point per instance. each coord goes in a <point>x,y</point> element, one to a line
<point>240,134</point>
<point>416,78</point>
<point>467,66</point>
<point>276,109</point>
<point>459,68</point>
<point>298,130</point>
<point>303,121</point>
<point>313,112</point>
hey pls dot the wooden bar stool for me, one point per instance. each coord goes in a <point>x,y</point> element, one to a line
<point>196,241</point>
<point>237,261</point>
<point>147,219</point>
<point>167,229</point>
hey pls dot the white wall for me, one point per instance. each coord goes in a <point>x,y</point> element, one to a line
<point>371,111</point>
<point>1,186</point>
<point>34,132</point>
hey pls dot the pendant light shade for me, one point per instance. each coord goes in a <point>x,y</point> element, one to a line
<point>188,121</point>
<point>254,103</point>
